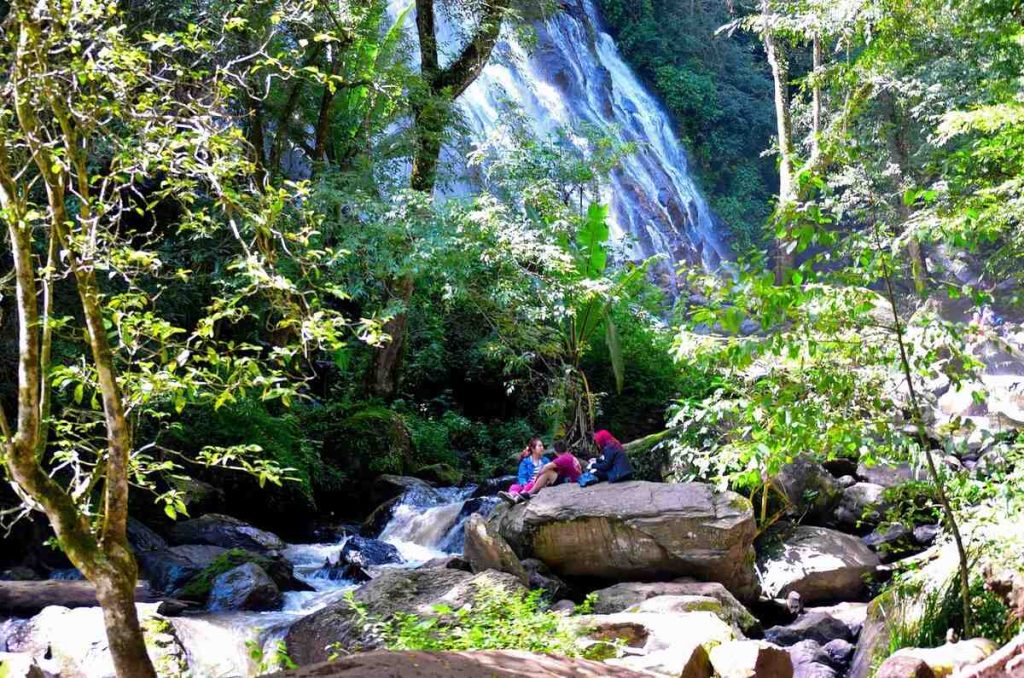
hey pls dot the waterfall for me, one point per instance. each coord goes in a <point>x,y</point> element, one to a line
<point>574,76</point>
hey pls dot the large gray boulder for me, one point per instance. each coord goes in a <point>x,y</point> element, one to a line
<point>637,531</point>
<point>667,644</point>
<point>682,595</point>
<point>751,659</point>
<point>820,564</point>
<point>227,532</point>
<point>246,587</point>
<point>73,643</point>
<point>410,591</point>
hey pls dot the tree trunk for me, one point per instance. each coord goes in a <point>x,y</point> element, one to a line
<point>816,101</point>
<point>387,363</point>
<point>429,125</point>
<point>430,118</point>
<point>899,149</point>
<point>116,595</point>
<point>778,60</point>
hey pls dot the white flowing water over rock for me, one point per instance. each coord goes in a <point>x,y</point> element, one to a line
<point>423,526</point>
<point>572,77</point>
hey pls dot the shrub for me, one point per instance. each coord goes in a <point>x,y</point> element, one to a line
<point>496,620</point>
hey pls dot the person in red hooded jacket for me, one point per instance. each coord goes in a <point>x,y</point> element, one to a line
<point>613,465</point>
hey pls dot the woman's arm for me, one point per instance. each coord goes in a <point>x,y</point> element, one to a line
<point>525,474</point>
<point>606,460</point>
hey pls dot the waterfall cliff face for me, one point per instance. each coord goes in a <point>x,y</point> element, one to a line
<point>574,76</point>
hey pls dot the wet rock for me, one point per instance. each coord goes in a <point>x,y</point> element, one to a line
<point>564,606</point>
<point>485,549</point>
<point>666,644</point>
<point>20,666</point>
<point>412,591</point>
<point>143,539</point>
<point>751,659</point>
<point>230,533</point>
<point>904,667</point>
<point>861,507</point>
<point>489,664</point>
<point>816,626</point>
<point>200,555</point>
<point>166,570</point>
<point>851,614</point>
<point>342,572</point>
<point>681,594</point>
<point>26,598</point>
<point>846,481</point>
<point>19,573</point>
<point>809,488</point>
<point>540,577</point>
<point>73,643</point>
<point>246,587</point>
<point>366,552</point>
<point>950,657</point>
<point>839,652</point>
<point>637,530</point>
<point>891,542</point>
<point>1006,662</point>
<point>890,475</point>
<point>926,534</point>
<point>840,467</point>
<point>494,485</point>
<point>451,562</point>
<point>820,564</point>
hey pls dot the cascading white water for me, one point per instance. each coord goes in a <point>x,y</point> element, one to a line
<point>424,524</point>
<point>574,76</point>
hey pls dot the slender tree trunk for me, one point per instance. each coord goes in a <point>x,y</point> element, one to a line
<point>384,379</point>
<point>933,472</point>
<point>899,149</point>
<point>778,60</point>
<point>816,100</point>
<point>430,119</point>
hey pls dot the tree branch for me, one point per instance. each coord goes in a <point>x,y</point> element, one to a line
<point>461,73</point>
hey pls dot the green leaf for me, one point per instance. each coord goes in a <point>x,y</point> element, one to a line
<point>591,239</point>
<point>611,337</point>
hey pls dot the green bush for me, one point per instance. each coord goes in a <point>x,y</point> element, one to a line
<point>496,620</point>
<point>990,618</point>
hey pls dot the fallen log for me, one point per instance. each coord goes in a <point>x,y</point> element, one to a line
<point>27,598</point>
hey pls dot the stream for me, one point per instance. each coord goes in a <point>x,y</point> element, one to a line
<point>426,523</point>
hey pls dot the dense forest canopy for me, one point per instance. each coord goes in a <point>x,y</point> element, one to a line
<point>254,247</point>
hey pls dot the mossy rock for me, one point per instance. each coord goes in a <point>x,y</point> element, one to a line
<point>440,474</point>
<point>650,455</point>
<point>379,438</point>
<point>198,588</point>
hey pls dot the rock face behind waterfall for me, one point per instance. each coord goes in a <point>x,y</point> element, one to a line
<point>637,531</point>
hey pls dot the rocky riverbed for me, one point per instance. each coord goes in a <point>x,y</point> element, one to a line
<point>680,581</point>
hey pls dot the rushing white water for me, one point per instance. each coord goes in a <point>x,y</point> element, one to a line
<point>574,77</point>
<point>424,525</point>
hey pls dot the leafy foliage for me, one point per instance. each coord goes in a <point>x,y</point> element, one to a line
<point>496,620</point>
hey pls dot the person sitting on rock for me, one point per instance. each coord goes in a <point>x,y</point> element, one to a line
<point>565,467</point>
<point>531,460</point>
<point>613,465</point>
